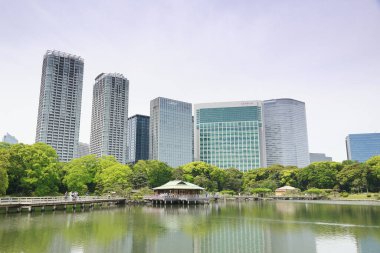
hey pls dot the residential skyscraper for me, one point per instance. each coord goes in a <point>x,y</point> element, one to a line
<point>60,103</point>
<point>138,138</point>
<point>110,116</point>
<point>319,157</point>
<point>170,131</point>
<point>361,147</point>
<point>9,139</point>
<point>286,132</point>
<point>230,134</point>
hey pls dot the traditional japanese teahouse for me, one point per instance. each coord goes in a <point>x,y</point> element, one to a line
<point>178,187</point>
<point>177,192</point>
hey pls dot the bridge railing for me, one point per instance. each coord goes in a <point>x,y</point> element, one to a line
<point>31,200</point>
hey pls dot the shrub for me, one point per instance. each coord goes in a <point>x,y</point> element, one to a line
<point>228,192</point>
<point>369,195</point>
<point>344,194</point>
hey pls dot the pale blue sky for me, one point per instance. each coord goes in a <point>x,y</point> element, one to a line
<point>325,53</point>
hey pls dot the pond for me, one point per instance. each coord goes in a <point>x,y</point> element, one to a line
<point>255,226</point>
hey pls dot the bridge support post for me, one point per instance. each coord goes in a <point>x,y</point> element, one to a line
<point>30,209</point>
<point>54,207</point>
<point>42,208</point>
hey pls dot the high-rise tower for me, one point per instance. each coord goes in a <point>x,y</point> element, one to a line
<point>286,132</point>
<point>60,103</point>
<point>138,138</point>
<point>170,131</point>
<point>361,147</point>
<point>110,116</point>
<point>230,134</point>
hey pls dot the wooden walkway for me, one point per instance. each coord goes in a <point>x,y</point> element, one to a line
<point>31,203</point>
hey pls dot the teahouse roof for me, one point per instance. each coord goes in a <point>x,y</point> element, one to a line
<point>285,188</point>
<point>178,185</point>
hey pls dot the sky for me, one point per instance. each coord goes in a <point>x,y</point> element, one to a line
<point>325,53</point>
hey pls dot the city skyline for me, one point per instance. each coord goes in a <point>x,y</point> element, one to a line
<point>196,51</point>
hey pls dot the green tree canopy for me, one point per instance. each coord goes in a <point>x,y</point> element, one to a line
<point>319,175</point>
<point>233,180</point>
<point>80,174</point>
<point>115,178</point>
<point>354,177</point>
<point>205,175</point>
<point>156,172</point>
<point>32,170</point>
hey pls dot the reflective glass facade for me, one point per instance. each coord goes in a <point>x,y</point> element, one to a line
<point>230,134</point>
<point>138,138</point>
<point>60,103</point>
<point>170,131</point>
<point>361,147</point>
<point>286,132</point>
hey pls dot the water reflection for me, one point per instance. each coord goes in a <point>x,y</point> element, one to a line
<point>262,227</point>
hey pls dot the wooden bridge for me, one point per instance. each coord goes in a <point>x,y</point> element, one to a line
<point>31,203</point>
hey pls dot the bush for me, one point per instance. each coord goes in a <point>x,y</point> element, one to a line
<point>369,195</point>
<point>315,191</point>
<point>228,192</point>
<point>344,194</point>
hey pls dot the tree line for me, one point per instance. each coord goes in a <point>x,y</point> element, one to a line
<point>34,170</point>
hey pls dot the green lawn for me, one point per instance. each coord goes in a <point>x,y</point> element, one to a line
<point>357,196</point>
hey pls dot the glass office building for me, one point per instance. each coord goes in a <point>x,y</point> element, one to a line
<point>60,103</point>
<point>170,131</point>
<point>138,138</point>
<point>286,132</point>
<point>230,134</point>
<point>110,116</point>
<point>361,147</point>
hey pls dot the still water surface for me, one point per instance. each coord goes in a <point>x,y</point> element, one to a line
<point>261,227</point>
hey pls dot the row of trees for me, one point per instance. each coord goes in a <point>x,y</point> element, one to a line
<point>34,170</point>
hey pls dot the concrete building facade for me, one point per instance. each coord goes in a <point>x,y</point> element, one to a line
<point>9,139</point>
<point>83,149</point>
<point>286,132</point>
<point>60,101</point>
<point>319,157</point>
<point>109,118</point>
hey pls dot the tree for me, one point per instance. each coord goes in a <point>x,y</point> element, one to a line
<point>80,174</point>
<point>374,173</point>
<point>115,178</point>
<point>201,173</point>
<point>261,191</point>
<point>4,156</point>
<point>319,175</point>
<point>233,180</point>
<point>156,172</point>
<point>289,176</point>
<point>32,170</point>
<point>353,177</point>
